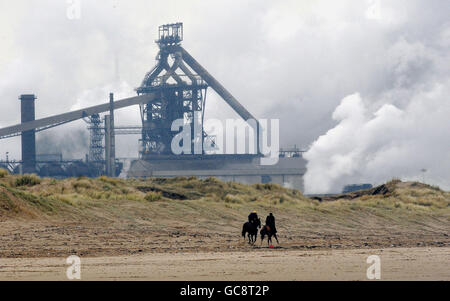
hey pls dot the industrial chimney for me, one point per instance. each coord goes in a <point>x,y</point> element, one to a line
<point>28,137</point>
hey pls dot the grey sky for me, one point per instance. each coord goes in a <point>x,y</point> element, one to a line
<point>293,60</point>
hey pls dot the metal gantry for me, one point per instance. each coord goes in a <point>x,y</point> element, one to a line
<point>180,94</point>
<point>179,83</point>
<point>96,148</point>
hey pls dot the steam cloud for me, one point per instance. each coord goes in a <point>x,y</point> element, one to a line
<point>72,145</point>
<point>375,146</point>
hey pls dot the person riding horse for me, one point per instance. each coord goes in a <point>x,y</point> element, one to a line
<point>269,229</point>
<point>251,227</point>
<point>270,221</point>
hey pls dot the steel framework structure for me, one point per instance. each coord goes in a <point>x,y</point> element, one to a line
<point>96,135</point>
<point>179,83</point>
<point>179,96</point>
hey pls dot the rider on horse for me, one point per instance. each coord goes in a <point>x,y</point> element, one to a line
<point>269,229</point>
<point>251,227</point>
<point>270,221</point>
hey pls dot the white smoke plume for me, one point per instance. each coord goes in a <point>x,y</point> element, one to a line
<point>373,146</point>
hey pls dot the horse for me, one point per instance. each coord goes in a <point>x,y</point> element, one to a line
<point>252,230</point>
<point>266,230</point>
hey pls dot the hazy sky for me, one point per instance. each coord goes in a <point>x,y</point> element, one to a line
<point>342,70</point>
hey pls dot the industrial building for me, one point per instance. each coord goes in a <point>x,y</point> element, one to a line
<point>175,89</point>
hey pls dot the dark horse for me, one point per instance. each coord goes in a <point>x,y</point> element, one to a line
<point>266,230</point>
<point>252,230</point>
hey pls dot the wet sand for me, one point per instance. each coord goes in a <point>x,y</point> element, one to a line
<point>426,263</point>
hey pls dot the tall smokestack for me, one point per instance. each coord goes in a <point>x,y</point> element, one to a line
<point>107,145</point>
<point>28,137</point>
<point>112,139</point>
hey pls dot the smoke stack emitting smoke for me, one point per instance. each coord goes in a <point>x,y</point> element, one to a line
<point>376,146</point>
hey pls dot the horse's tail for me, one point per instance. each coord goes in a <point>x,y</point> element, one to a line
<point>243,231</point>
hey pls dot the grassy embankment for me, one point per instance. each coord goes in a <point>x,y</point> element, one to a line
<point>197,201</point>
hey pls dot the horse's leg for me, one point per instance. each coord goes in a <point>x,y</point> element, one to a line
<point>275,235</point>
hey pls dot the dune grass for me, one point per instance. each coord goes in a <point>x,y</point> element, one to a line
<point>203,198</point>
